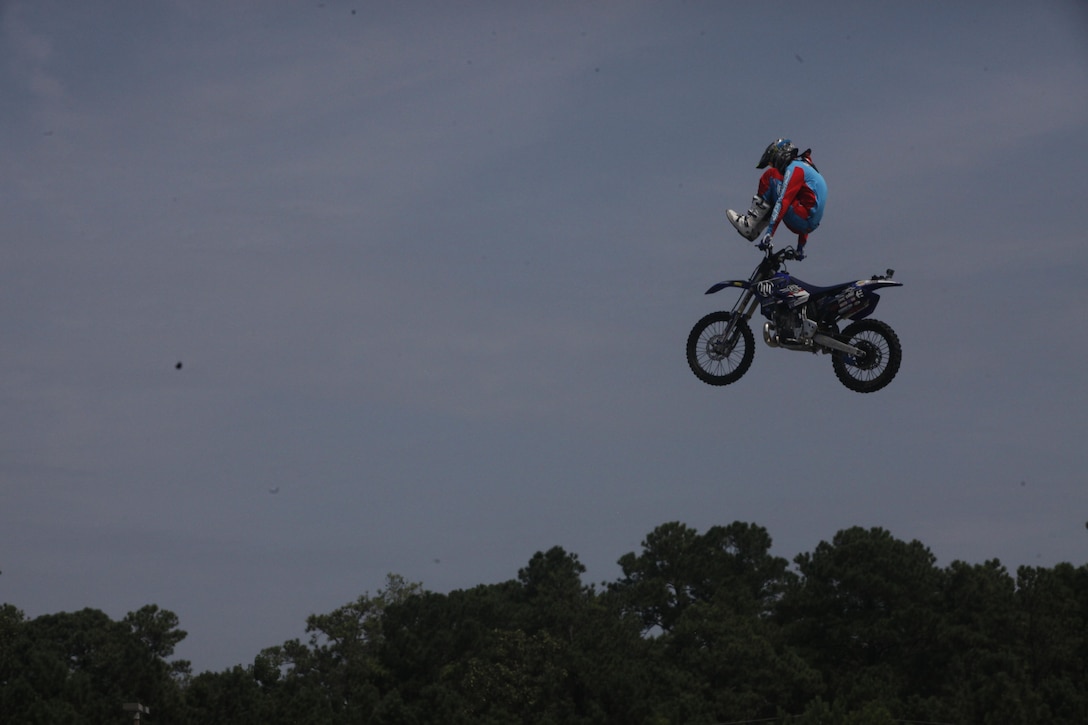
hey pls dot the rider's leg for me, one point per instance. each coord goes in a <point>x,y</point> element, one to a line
<point>754,221</point>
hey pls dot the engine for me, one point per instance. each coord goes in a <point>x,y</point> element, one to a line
<point>791,329</point>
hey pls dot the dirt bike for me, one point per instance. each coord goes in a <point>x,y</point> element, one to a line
<point>865,354</point>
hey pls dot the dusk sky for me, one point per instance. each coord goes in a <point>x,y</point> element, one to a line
<point>429,268</point>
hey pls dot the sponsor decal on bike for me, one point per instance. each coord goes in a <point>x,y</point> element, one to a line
<point>848,299</point>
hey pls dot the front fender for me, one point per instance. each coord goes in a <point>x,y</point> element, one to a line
<point>741,283</point>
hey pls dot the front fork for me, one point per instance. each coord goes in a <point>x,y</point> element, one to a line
<point>744,308</point>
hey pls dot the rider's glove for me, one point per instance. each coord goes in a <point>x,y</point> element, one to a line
<point>799,254</point>
<point>765,243</point>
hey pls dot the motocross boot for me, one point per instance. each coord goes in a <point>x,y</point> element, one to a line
<point>752,222</point>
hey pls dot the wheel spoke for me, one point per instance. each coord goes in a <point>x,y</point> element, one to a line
<point>717,353</point>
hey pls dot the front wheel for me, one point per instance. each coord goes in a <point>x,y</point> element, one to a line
<point>720,353</point>
<point>878,361</point>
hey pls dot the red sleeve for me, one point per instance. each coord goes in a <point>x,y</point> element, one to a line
<point>794,184</point>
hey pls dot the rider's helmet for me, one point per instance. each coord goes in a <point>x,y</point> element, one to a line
<point>779,154</point>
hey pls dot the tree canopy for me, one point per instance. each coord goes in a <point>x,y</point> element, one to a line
<point>699,628</point>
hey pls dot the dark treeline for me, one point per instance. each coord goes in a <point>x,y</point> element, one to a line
<point>700,628</point>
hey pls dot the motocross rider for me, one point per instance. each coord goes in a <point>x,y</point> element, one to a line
<point>791,190</point>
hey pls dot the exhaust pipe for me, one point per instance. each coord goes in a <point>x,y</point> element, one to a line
<point>769,336</point>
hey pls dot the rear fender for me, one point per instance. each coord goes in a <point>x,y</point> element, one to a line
<point>738,283</point>
<point>869,286</point>
<point>872,284</point>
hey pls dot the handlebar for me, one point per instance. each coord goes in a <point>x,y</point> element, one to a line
<point>784,254</point>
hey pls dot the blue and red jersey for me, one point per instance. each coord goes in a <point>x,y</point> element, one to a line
<point>798,196</point>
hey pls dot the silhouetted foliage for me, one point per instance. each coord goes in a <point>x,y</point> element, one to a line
<point>699,628</point>
<point>80,667</point>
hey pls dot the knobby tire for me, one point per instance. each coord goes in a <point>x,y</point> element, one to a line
<point>712,358</point>
<point>880,363</point>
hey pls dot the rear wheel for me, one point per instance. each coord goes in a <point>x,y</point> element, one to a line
<point>718,358</point>
<point>878,361</point>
